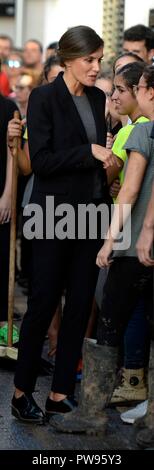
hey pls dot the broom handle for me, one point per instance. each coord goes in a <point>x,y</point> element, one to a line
<point>12,238</point>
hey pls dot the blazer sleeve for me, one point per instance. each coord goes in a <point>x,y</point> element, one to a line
<point>40,133</point>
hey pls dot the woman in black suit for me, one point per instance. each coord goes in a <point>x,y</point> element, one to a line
<point>67,135</point>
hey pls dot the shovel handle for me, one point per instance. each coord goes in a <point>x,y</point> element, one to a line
<point>13,236</point>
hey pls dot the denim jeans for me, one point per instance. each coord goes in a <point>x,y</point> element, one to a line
<point>136,341</point>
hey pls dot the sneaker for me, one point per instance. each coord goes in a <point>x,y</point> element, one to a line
<point>139,411</point>
<point>4,334</point>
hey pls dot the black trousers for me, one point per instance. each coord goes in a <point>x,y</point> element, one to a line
<point>56,263</point>
<point>127,280</point>
<point>4,269</point>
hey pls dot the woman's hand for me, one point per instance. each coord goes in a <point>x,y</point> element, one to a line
<point>115,188</point>
<point>14,130</point>
<point>5,208</point>
<point>103,154</point>
<point>144,245</point>
<point>102,259</point>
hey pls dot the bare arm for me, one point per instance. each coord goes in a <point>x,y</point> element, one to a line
<point>113,171</point>
<point>127,195</point>
<point>5,199</point>
<point>146,238</point>
<point>24,163</point>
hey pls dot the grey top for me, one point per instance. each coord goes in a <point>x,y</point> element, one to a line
<point>141,141</point>
<point>84,109</point>
<point>85,112</point>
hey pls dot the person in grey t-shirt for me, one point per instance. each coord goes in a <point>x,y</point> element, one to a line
<point>127,277</point>
<point>145,437</point>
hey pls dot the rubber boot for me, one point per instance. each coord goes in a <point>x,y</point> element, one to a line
<point>145,437</point>
<point>132,389</point>
<point>99,375</point>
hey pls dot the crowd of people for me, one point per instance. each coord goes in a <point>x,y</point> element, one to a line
<point>86,139</point>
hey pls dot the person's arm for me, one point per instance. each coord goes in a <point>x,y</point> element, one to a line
<point>120,156</point>
<point>24,164</point>
<point>146,238</point>
<point>113,171</point>
<point>127,196</point>
<point>5,199</point>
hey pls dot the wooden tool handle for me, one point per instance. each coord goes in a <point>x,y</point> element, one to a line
<point>12,237</point>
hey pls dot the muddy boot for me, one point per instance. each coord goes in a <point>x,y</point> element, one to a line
<point>99,374</point>
<point>132,389</point>
<point>145,437</point>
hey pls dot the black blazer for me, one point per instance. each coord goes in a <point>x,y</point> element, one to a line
<point>60,152</point>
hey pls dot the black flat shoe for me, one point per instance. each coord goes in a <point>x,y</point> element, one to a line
<point>59,407</point>
<point>26,409</point>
